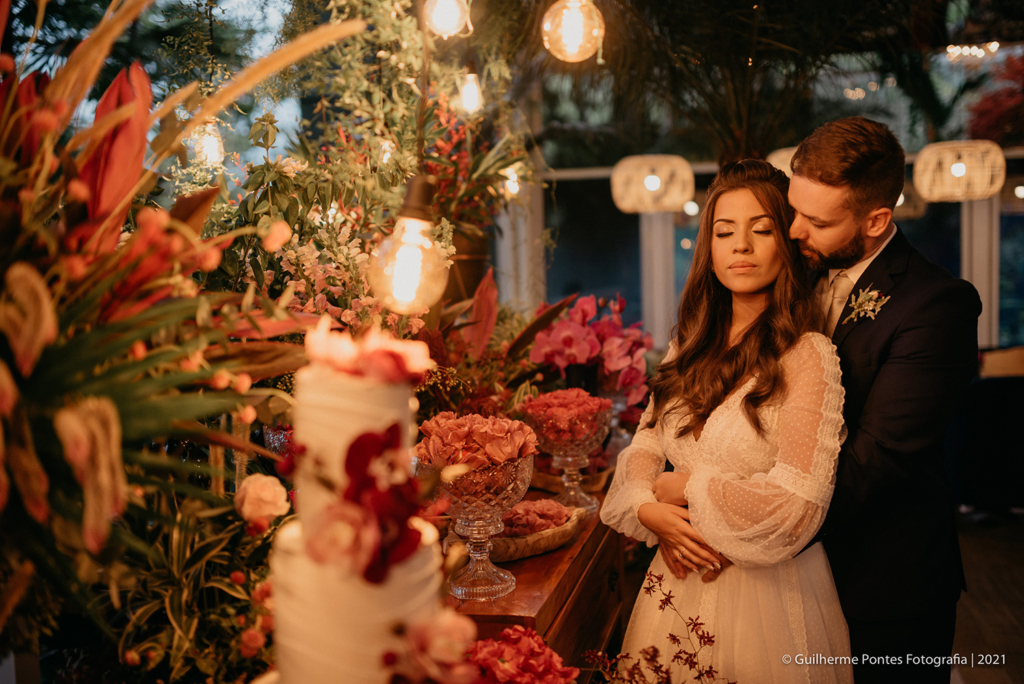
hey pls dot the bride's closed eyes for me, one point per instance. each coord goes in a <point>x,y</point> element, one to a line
<point>765,227</point>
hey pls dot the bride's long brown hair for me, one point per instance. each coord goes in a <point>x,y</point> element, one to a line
<point>706,369</point>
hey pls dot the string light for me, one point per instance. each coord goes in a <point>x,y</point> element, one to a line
<point>959,169</point>
<point>692,209</point>
<point>408,271</point>
<point>955,53</point>
<point>446,17</point>
<point>470,94</point>
<point>652,183</point>
<point>573,30</point>
<point>387,148</point>
<point>1018,192</point>
<point>512,184</point>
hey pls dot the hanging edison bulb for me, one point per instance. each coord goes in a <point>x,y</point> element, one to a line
<point>573,30</point>
<point>408,271</point>
<point>208,144</point>
<point>470,95</point>
<point>446,17</point>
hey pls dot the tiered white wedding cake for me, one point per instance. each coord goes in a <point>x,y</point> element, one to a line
<point>353,416</point>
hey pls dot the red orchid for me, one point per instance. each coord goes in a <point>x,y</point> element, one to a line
<point>389,507</point>
<point>113,169</point>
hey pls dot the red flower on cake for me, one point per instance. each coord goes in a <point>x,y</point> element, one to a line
<point>435,651</point>
<point>367,528</point>
<point>374,355</point>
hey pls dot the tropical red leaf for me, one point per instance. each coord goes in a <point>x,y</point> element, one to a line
<point>267,328</point>
<point>114,167</point>
<point>193,209</point>
<point>484,314</point>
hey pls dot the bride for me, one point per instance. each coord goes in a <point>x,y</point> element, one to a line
<point>747,406</point>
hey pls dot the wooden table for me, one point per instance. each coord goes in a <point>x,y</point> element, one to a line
<point>572,596</point>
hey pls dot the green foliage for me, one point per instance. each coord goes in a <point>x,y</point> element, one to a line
<point>186,613</point>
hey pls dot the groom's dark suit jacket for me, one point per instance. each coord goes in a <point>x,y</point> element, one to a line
<point>889,532</point>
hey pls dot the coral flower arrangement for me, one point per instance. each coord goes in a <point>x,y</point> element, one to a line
<point>474,441</point>
<point>569,415</point>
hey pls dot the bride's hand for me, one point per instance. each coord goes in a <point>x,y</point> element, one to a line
<point>670,488</point>
<point>676,534</point>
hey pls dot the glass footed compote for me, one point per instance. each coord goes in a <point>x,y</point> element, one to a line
<point>570,450</point>
<point>479,500</point>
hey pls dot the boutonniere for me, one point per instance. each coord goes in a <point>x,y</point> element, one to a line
<point>867,304</point>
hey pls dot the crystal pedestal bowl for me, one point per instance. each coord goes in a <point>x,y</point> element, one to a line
<point>479,499</point>
<point>570,449</point>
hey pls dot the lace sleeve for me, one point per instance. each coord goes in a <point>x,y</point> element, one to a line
<point>768,518</point>
<point>639,465</point>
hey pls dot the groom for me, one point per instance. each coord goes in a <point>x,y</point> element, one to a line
<point>889,532</point>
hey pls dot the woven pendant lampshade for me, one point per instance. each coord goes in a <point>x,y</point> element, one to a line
<point>652,183</point>
<point>910,205</point>
<point>781,159</point>
<point>959,171</point>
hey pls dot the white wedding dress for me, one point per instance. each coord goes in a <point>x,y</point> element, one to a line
<point>758,501</point>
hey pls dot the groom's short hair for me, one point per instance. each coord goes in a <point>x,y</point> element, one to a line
<point>858,153</point>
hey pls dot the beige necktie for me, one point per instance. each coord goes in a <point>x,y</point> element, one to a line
<point>841,288</point>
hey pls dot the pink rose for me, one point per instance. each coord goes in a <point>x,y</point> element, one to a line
<point>444,638</point>
<point>261,498</point>
<point>345,534</point>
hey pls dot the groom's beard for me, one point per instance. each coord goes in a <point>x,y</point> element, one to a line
<point>844,257</point>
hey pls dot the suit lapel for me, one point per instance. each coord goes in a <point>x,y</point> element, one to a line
<point>890,262</point>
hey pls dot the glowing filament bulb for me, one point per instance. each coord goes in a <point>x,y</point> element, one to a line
<point>652,183</point>
<point>407,272</point>
<point>446,17</point>
<point>572,29</point>
<point>470,92</point>
<point>208,144</point>
<point>959,169</point>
